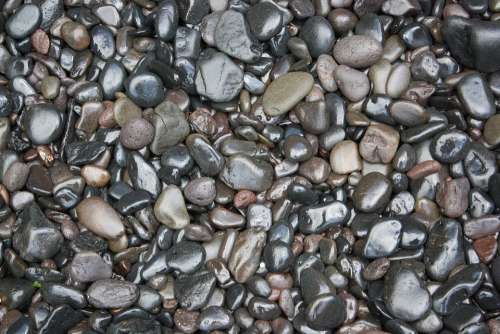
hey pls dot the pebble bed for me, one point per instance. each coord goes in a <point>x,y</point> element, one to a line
<point>249,166</point>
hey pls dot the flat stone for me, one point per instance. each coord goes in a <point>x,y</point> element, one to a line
<point>89,267</point>
<point>379,144</point>
<point>357,51</point>
<point>383,239</point>
<point>43,123</point>
<point>112,293</point>
<point>476,96</point>
<point>171,127</point>
<point>352,83</point>
<point>100,218</point>
<point>372,193</point>
<point>453,196</point>
<point>242,172</point>
<point>286,91</point>
<point>193,291</point>
<point>24,21</point>
<point>170,208</point>
<point>245,257</point>
<point>344,157</point>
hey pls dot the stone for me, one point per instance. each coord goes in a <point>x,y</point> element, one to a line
<point>170,125</point>
<point>89,267</point>
<point>352,83</point>
<point>245,256</point>
<point>372,193</point>
<point>379,144</point>
<point>476,97</point>
<point>100,218</point>
<point>43,123</point>
<point>344,157</point>
<point>242,172</point>
<point>383,239</point>
<point>24,21</point>
<point>112,293</point>
<point>170,208</point>
<point>357,51</point>
<point>285,92</point>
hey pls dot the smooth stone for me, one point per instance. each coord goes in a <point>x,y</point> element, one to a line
<point>194,291</point>
<point>89,267</point>
<point>60,320</point>
<point>24,21</point>
<point>135,325</point>
<point>352,83</point>
<point>408,113</point>
<point>259,216</point>
<point>372,193</point>
<point>315,170</point>
<point>479,165</point>
<point>357,51</point>
<point>170,208</point>
<point>325,65</point>
<point>102,42</point>
<point>209,160</point>
<point>264,20</point>
<point>450,146</point>
<point>95,176</point>
<point>444,249</point>
<point>49,87</point>
<point>242,172</point>
<point>186,257</point>
<point>233,37</point>
<point>43,123</point>
<point>37,238</point>
<point>383,239</point>
<point>207,27</point>
<point>379,143</point>
<point>476,97</point>
<point>297,148</point>
<point>57,294</point>
<point>136,133</point>
<point>192,11</point>
<point>453,196</point>
<point>81,153</point>
<point>263,309</point>
<point>230,78</point>
<point>246,253</point>
<point>415,35</point>
<point>143,174</point>
<point>398,80</point>
<point>345,158</point>
<point>285,92</point>
<point>481,227</point>
<point>318,34</point>
<point>494,189</point>
<point>403,285</point>
<point>75,35</point>
<point>145,89</point>
<point>313,116</point>
<point>177,157</point>
<point>480,204</point>
<point>112,293</point>
<point>125,110</point>
<point>215,318</point>
<point>321,217</point>
<point>326,312</point>
<point>200,191</point>
<point>100,218</point>
<point>16,292</point>
<point>460,286</point>
<point>278,256</point>
<point>491,131</point>
<point>313,284</point>
<point>425,67</point>
<point>473,42</point>
<point>166,20</point>
<point>170,125</point>
<point>16,176</point>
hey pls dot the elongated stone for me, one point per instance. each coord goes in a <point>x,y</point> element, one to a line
<point>246,253</point>
<point>286,91</point>
<point>99,217</point>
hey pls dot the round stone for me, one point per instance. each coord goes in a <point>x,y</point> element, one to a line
<point>372,193</point>
<point>136,133</point>
<point>357,51</point>
<point>24,21</point>
<point>75,35</point>
<point>43,123</point>
<point>145,89</point>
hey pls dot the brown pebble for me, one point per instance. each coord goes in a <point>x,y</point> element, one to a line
<point>94,176</point>
<point>453,196</point>
<point>186,320</point>
<point>40,41</point>
<point>376,269</point>
<point>107,117</point>
<point>424,169</point>
<point>243,199</point>
<point>486,248</point>
<point>75,35</point>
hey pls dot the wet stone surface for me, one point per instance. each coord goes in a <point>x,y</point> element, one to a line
<point>249,167</point>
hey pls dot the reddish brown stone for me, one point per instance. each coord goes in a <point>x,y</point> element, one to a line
<point>243,199</point>
<point>486,248</point>
<point>424,169</point>
<point>453,196</point>
<point>40,41</point>
<point>186,320</point>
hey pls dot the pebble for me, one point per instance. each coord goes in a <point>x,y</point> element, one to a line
<point>76,35</point>
<point>170,208</point>
<point>345,158</point>
<point>453,196</point>
<point>89,267</point>
<point>408,113</point>
<point>16,176</point>
<point>352,83</point>
<point>200,191</point>
<point>357,51</point>
<point>383,239</point>
<point>170,127</point>
<point>401,286</point>
<point>476,97</point>
<point>145,89</point>
<point>95,176</point>
<point>379,143</point>
<point>24,21</point>
<point>246,253</point>
<point>230,77</point>
<point>193,291</point>
<point>264,20</point>
<point>136,133</point>
<point>242,172</point>
<point>324,68</point>
<point>372,192</point>
<point>450,146</point>
<point>43,123</point>
<point>491,130</point>
<point>233,37</point>
<point>319,36</point>
<point>37,238</point>
<point>100,218</point>
<point>112,293</point>
<point>285,92</point>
